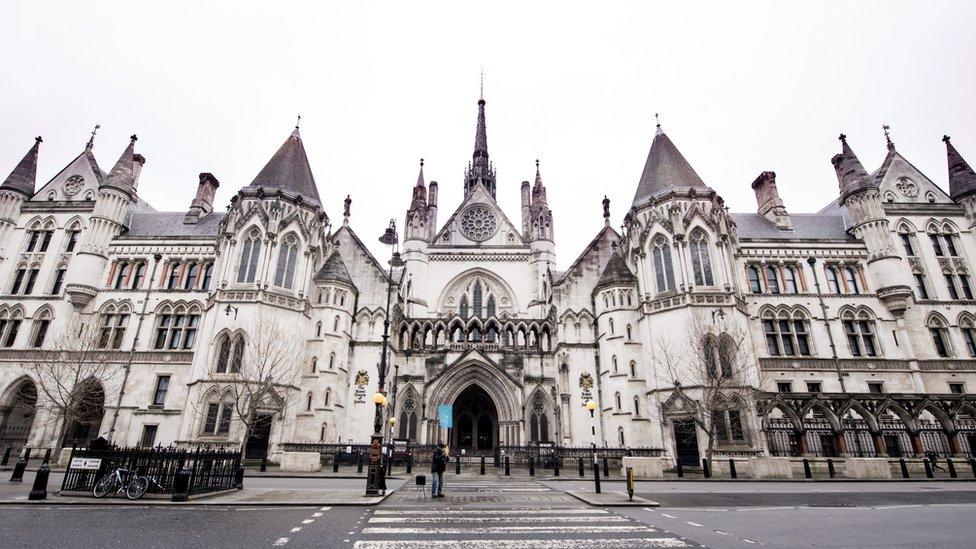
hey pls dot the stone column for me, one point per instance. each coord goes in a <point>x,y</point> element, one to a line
<point>801,437</point>
<point>955,445</point>
<point>841,443</point>
<point>917,447</point>
<point>880,448</point>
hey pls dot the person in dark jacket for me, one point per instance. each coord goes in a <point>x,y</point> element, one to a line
<point>438,464</point>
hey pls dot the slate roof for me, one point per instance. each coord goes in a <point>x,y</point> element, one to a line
<point>818,226</point>
<point>616,273</point>
<point>170,224</point>
<point>665,169</point>
<point>24,176</point>
<point>334,270</point>
<point>962,179</point>
<point>289,171</point>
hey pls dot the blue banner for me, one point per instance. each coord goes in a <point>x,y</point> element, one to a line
<point>445,415</point>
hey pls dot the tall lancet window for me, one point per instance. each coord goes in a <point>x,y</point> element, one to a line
<point>478,297</point>
<point>250,254</point>
<point>663,272</point>
<point>287,256</point>
<point>463,308</point>
<point>700,260</point>
<point>491,306</point>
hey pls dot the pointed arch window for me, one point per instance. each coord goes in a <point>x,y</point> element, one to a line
<point>968,328</point>
<point>700,259</point>
<point>663,272</point>
<point>859,330</point>
<point>636,406</point>
<point>789,280</point>
<point>287,257</point>
<point>755,282</point>
<point>772,279</point>
<point>223,354</point>
<point>940,337</point>
<point>478,298</point>
<point>616,400</point>
<point>463,308</point>
<point>237,356</point>
<point>250,253</point>
<point>850,277</point>
<point>491,306</point>
<point>786,335</point>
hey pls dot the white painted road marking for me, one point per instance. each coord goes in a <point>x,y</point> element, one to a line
<point>432,520</point>
<point>667,515</point>
<point>693,524</point>
<point>281,541</point>
<point>484,512</point>
<point>316,515</point>
<point>508,530</point>
<point>308,521</point>
<point>296,529</point>
<point>521,544</point>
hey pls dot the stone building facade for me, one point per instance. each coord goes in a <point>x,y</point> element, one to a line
<point>853,328</point>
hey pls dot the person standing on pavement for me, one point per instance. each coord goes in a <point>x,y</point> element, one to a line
<point>438,464</point>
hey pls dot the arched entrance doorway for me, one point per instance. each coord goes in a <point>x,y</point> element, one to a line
<point>86,412</point>
<point>17,414</point>
<point>475,422</point>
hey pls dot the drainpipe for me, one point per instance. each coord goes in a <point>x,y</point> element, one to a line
<point>812,261</point>
<point>135,342</point>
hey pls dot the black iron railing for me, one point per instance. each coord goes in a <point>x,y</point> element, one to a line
<point>209,470</point>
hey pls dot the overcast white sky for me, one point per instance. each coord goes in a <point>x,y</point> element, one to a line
<point>741,88</point>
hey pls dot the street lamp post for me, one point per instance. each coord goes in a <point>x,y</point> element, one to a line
<point>591,406</point>
<point>375,480</point>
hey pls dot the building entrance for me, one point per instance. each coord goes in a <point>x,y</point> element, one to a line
<point>475,422</point>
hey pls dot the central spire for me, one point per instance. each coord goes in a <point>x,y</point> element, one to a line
<point>480,169</point>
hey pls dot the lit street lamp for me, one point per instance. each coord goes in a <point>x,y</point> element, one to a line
<point>374,477</point>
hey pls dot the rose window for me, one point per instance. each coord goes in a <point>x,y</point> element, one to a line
<point>478,223</point>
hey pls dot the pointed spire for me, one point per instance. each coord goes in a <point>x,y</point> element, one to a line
<point>123,174</point>
<point>616,272</point>
<point>665,169</point>
<point>289,171</point>
<point>481,132</point>
<point>24,176</point>
<point>480,169</point>
<point>657,122</point>
<point>887,134</point>
<point>538,175</point>
<point>334,270</point>
<point>420,176</point>
<point>962,178</point>
<point>91,140</point>
<point>851,175</point>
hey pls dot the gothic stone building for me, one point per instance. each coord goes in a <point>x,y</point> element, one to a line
<point>857,327</point>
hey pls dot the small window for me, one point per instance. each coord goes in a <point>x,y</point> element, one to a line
<point>814,387</point>
<point>920,288</point>
<point>957,388</point>
<point>876,387</point>
<point>174,276</point>
<point>72,241</point>
<point>851,278</point>
<point>772,279</point>
<point>58,281</point>
<point>162,387</point>
<point>148,436</point>
<point>139,275</point>
<point>906,242</point>
<point>789,280</point>
<point>633,369</point>
<point>755,284</point>
<point>784,386</point>
<point>833,282</point>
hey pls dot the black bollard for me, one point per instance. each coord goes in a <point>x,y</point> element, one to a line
<point>389,463</point>
<point>705,470</point>
<point>410,464</point>
<point>580,460</point>
<point>239,477</point>
<point>264,465</point>
<point>6,456</point>
<point>457,465</point>
<point>483,465</point>
<point>596,476</point>
<point>181,485</point>
<point>359,461</point>
<point>952,468</point>
<point>830,468</point>
<point>972,465</point>
<point>335,462</point>
<point>39,490</point>
<point>497,460</point>
<point>732,472</point>
<point>47,456</point>
<point>555,466</point>
<point>904,468</point>
<point>681,471</point>
<point>19,469</point>
<point>27,452</point>
<point>606,467</point>
<point>531,466</point>
<point>807,473</point>
<point>928,468</point>
<point>508,471</point>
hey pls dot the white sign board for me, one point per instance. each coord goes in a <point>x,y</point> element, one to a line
<point>86,464</point>
<point>463,451</point>
<point>348,449</point>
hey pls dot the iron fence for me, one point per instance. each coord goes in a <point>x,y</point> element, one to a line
<point>209,470</point>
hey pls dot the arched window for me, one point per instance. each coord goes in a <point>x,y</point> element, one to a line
<point>139,275</point>
<point>663,273</point>
<point>727,351</point>
<point>463,308</point>
<point>633,368</point>
<point>216,422</point>
<point>616,400</point>
<point>629,333</point>
<point>42,321</point>
<point>287,257</point>
<point>328,397</point>
<point>318,329</point>
<point>331,361</point>
<point>192,276</point>
<point>620,436</point>
<point>860,332</point>
<point>789,280</point>
<point>921,287</point>
<point>611,327</point>
<point>636,406</point>
<point>755,282</point>
<point>940,336</point>
<point>308,403</point>
<point>478,297</point>
<point>223,354</point>
<point>335,324</point>
<point>700,259</point>
<point>122,270</point>
<point>113,324</point>
<point>315,364</point>
<point>237,356</point>
<point>907,240</point>
<point>491,306</point>
<point>968,328</point>
<point>786,334</point>
<point>850,277</point>
<point>833,282</point>
<point>207,276</point>
<point>772,279</point>
<point>250,253</point>
<point>176,327</point>
<point>613,359</point>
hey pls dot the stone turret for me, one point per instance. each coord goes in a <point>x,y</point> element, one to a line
<point>962,181</point>
<point>18,186</point>
<point>416,226</point>
<point>861,195</point>
<point>420,228</point>
<point>539,212</point>
<point>770,204</point>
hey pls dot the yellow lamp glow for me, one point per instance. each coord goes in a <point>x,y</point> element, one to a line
<point>591,405</point>
<point>392,421</point>
<point>379,398</point>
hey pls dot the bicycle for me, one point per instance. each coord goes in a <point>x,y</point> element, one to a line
<point>113,481</point>
<point>139,485</point>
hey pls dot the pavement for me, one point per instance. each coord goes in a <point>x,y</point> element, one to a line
<point>498,512</point>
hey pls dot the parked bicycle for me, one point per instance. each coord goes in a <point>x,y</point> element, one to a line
<point>125,481</point>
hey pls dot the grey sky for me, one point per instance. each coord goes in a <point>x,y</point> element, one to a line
<point>740,89</point>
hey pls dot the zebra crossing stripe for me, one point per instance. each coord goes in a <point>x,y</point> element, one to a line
<point>491,512</point>
<point>476,530</point>
<point>485,520</point>
<point>522,544</point>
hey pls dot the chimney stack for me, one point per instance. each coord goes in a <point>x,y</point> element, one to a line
<point>138,161</point>
<point>770,205</point>
<point>202,204</point>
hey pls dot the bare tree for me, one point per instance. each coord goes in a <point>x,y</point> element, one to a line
<point>72,379</point>
<point>265,376</point>
<point>710,370</point>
